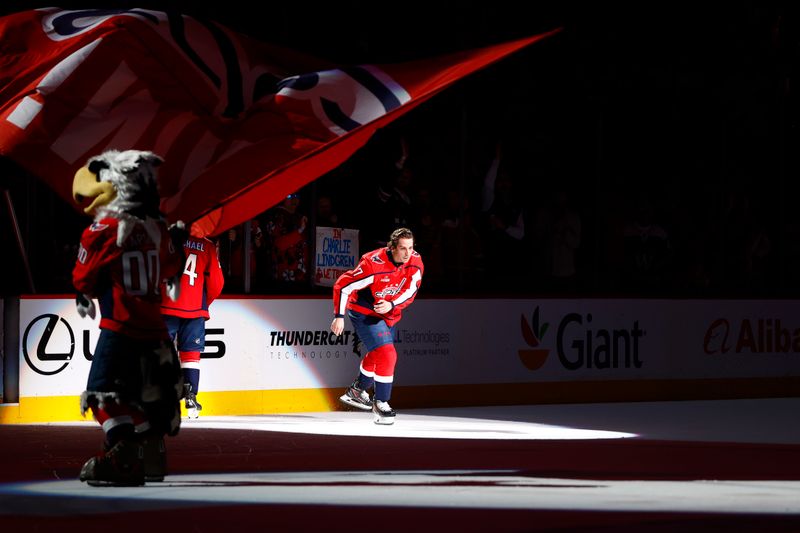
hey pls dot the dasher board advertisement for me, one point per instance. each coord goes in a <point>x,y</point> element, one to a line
<point>274,344</point>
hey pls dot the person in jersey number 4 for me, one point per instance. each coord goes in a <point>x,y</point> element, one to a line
<point>374,294</point>
<point>201,283</point>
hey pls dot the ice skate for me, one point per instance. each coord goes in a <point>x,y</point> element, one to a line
<point>193,407</point>
<point>384,414</point>
<point>120,466</point>
<point>355,397</point>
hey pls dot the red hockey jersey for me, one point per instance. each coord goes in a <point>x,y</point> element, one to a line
<point>126,280</point>
<point>201,282</point>
<point>384,280</point>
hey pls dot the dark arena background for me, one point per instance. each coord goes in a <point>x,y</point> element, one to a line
<point>668,130</point>
<point>677,115</point>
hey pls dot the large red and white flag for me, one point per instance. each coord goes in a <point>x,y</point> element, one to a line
<point>239,123</point>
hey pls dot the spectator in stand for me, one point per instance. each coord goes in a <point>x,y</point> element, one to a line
<point>232,251</point>
<point>746,246</point>
<point>462,246</point>
<point>394,204</point>
<point>504,223</point>
<point>689,226</point>
<point>428,233</point>
<point>286,230</point>
<point>647,250</point>
<point>326,214</point>
<point>559,229</point>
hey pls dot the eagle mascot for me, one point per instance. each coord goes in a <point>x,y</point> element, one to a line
<point>126,258</point>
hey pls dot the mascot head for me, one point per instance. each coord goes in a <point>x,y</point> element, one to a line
<point>121,185</point>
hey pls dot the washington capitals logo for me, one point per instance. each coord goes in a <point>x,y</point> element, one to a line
<point>391,290</point>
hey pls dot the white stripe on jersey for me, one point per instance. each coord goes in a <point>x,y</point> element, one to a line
<point>347,289</point>
<point>409,292</point>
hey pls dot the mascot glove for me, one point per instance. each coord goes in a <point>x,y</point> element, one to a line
<point>85,306</point>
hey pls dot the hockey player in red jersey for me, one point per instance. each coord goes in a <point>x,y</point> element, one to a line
<point>374,294</point>
<point>201,283</point>
<point>134,383</point>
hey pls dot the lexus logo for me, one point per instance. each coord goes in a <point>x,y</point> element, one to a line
<point>43,355</point>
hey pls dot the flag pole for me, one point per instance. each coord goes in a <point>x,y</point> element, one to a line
<point>18,234</point>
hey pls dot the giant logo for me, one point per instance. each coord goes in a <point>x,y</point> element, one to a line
<point>581,346</point>
<point>534,356</point>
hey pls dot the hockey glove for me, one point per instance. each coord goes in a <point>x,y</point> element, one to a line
<point>178,235</point>
<point>174,287</point>
<point>85,306</point>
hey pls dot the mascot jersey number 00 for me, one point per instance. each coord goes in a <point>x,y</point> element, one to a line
<point>127,256</point>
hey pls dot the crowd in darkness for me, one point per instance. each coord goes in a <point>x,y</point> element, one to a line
<point>510,229</point>
<point>602,162</point>
<point>492,220</point>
